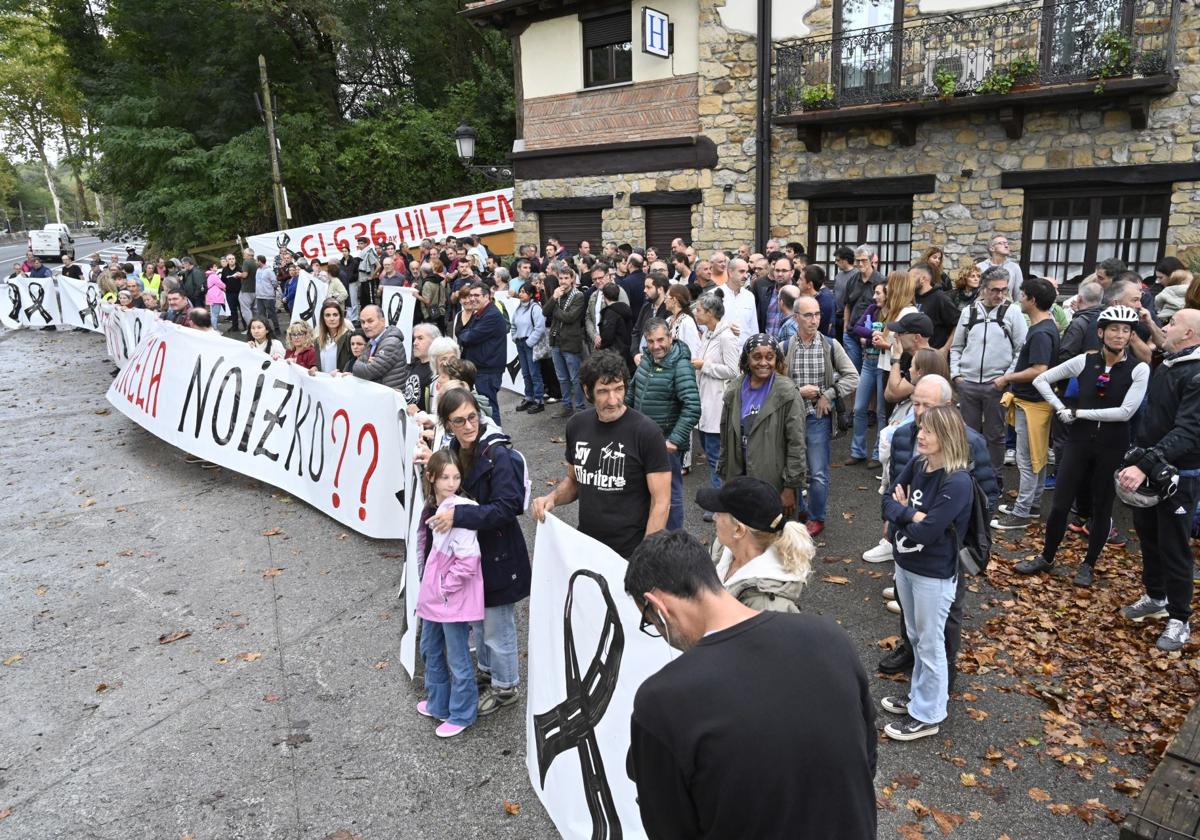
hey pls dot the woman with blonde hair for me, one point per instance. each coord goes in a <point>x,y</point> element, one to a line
<point>932,495</point>
<point>900,301</point>
<point>766,559</point>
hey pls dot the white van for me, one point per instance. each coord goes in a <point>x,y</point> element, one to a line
<point>51,242</point>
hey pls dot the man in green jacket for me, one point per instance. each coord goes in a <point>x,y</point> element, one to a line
<point>664,389</point>
<point>194,282</point>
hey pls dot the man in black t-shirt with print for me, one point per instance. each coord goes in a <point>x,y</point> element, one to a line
<point>617,465</point>
<point>937,305</point>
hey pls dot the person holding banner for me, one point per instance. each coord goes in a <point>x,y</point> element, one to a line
<point>300,349</point>
<point>333,338</point>
<point>495,478</point>
<point>385,359</point>
<point>763,727</point>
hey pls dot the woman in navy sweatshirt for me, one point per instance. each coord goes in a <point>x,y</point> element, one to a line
<point>932,496</point>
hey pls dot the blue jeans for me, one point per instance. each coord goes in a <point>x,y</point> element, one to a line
<point>870,384</point>
<point>818,432</point>
<point>449,674</point>
<point>853,349</point>
<point>216,310</point>
<point>711,443</point>
<point>566,367</point>
<point>926,603</point>
<point>496,645</point>
<point>488,385</point>
<point>531,372</point>
<point>675,516</point>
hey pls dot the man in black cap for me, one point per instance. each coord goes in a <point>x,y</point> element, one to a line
<point>911,333</point>
<point>724,741</point>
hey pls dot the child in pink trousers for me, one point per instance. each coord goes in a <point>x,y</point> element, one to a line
<point>215,295</point>
<point>450,598</point>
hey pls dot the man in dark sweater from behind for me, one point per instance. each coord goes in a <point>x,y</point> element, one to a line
<point>725,740</point>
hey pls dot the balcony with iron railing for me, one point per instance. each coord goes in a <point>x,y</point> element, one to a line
<point>1005,59</point>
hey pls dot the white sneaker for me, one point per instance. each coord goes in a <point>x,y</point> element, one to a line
<point>1010,457</point>
<point>890,593</point>
<point>893,607</point>
<point>880,553</point>
<point>1175,636</point>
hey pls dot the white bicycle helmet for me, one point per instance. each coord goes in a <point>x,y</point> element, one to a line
<point>1118,314</point>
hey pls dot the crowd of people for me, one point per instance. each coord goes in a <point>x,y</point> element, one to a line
<point>750,364</point>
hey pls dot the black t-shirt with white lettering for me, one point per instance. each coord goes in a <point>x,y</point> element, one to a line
<point>610,462</point>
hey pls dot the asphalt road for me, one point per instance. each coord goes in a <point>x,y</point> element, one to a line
<point>285,712</point>
<point>85,246</point>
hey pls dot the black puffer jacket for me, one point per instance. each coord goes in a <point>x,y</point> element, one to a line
<point>1171,419</point>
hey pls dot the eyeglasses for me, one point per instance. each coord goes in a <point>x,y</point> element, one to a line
<point>647,626</point>
<point>997,290</point>
<point>469,420</point>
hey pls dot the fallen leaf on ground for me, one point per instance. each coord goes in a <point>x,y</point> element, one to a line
<point>848,515</point>
<point>908,780</point>
<point>512,808</point>
<point>968,779</point>
<point>271,698</point>
<point>270,573</point>
<point>1038,795</point>
<point>41,590</point>
<point>342,834</point>
<point>88,503</point>
<point>272,532</point>
<point>5,812</point>
<point>101,687</point>
<point>121,509</point>
<point>911,831</point>
<point>101,412</point>
<point>167,638</point>
<point>249,657</point>
<point>1130,786</point>
<point>343,536</point>
<point>838,579</point>
<point>222,661</point>
<point>993,754</point>
<point>380,665</point>
<point>1059,809</point>
<point>946,822</point>
<point>14,659</point>
<point>977,714</point>
<point>889,642</point>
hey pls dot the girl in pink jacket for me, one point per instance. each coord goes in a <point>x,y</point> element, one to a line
<point>451,597</point>
<point>215,296</point>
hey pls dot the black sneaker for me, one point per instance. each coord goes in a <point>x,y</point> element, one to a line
<point>895,705</point>
<point>523,405</point>
<point>1085,575</point>
<point>898,661</point>
<point>535,408</point>
<point>493,699</point>
<point>1033,566</point>
<point>910,729</point>
<point>1011,522</point>
<point>482,678</point>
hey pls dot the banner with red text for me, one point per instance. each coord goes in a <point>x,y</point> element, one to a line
<point>477,215</point>
<point>335,442</point>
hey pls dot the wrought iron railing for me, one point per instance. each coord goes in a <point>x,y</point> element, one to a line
<point>990,51</point>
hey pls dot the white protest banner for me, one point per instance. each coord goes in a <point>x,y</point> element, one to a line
<point>586,661</point>
<point>10,308</point>
<point>80,303</point>
<point>311,292</point>
<point>335,442</point>
<point>478,214</point>
<point>514,381</point>
<point>124,330</point>
<point>38,305</point>
<point>412,565</point>
<point>399,305</point>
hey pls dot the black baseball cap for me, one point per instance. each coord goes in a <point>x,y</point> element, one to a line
<point>913,322</point>
<point>750,501</point>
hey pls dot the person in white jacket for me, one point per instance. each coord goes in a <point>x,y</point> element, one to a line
<point>716,365</point>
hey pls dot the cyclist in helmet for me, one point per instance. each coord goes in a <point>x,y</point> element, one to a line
<point>1112,384</point>
<point>1169,434</point>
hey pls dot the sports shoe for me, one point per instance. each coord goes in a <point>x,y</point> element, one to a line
<point>1145,607</point>
<point>551,400</point>
<point>873,464</point>
<point>482,678</point>
<point>893,606</point>
<point>1010,457</point>
<point>423,710</point>
<point>1034,512</point>
<point>492,699</point>
<point>898,661</point>
<point>1084,575</point>
<point>854,461</point>
<point>880,553</point>
<point>1079,526</point>
<point>523,405</point>
<point>910,729</point>
<point>449,730</point>
<point>895,705</point>
<point>1051,482</point>
<point>1011,522</point>
<point>1116,538</point>
<point>1175,636</point>
<point>535,408</point>
<point>890,593</point>
<point>815,527</point>
<point>1033,565</point>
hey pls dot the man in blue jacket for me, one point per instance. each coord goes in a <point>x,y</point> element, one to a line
<point>484,341</point>
<point>933,390</point>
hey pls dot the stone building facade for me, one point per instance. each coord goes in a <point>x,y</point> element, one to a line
<point>1071,167</point>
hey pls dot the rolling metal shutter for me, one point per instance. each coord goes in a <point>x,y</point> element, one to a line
<point>571,226</point>
<point>665,222</point>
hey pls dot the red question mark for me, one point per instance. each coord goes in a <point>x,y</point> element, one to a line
<point>341,412</point>
<point>367,427</point>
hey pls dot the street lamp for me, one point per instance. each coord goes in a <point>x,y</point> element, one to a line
<point>464,140</point>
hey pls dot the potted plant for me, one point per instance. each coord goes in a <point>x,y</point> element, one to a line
<point>816,97</point>
<point>1150,64</point>
<point>1115,50</point>
<point>945,82</point>
<point>997,81</point>
<point>1024,72</point>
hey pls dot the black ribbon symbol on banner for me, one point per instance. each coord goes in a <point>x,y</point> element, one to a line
<point>137,331</point>
<point>513,367</point>
<point>14,295</point>
<point>572,723</point>
<point>393,310</point>
<point>37,293</point>
<point>93,300</point>
<point>310,296</point>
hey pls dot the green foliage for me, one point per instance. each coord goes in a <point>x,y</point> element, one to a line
<point>1115,50</point>
<point>945,81</point>
<point>997,81</point>
<point>1023,67</point>
<point>813,97</point>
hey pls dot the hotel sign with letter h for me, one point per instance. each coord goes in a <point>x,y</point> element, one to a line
<point>656,32</point>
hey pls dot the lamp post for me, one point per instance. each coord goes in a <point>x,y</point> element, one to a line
<point>464,140</point>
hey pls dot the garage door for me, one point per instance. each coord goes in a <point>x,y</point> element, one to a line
<point>570,227</point>
<point>667,222</point>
